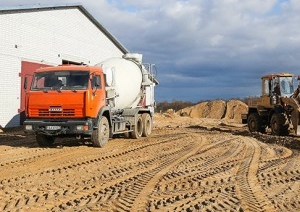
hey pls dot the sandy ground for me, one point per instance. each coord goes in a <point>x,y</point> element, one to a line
<point>185,165</point>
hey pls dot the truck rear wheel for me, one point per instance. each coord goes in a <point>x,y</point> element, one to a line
<point>44,140</point>
<point>137,128</point>
<point>100,135</point>
<point>147,124</point>
<point>279,124</point>
<point>255,123</point>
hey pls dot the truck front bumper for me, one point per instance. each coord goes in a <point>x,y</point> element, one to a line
<point>59,127</point>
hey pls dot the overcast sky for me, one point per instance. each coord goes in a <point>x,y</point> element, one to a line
<point>203,49</point>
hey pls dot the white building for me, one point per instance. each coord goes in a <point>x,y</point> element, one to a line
<point>45,36</point>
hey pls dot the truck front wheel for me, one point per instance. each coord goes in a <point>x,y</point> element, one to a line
<point>100,135</point>
<point>279,124</point>
<point>147,124</point>
<point>44,140</point>
<point>137,128</point>
<point>255,123</point>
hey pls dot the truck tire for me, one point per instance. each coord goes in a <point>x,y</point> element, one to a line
<point>279,124</point>
<point>255,123</point>
<point>147,124</point>
<point>137,128</point>
<point>100,135</point>
<point>44,140</point>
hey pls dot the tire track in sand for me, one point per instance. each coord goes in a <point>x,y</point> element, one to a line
<point>252,196</point>
<point>140,202</point>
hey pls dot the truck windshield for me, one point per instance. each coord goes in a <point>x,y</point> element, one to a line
<point>63,80</point>
<point>286,86</point>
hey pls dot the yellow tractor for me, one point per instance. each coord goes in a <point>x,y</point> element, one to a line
<point>278,107</point>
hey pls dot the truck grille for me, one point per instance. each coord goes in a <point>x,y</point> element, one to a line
<point>64,113</point>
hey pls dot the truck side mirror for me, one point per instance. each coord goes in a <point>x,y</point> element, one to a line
<point>25,82</point>
<point>96,83</point>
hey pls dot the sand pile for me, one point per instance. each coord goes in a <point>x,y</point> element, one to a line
<point>217,109</point>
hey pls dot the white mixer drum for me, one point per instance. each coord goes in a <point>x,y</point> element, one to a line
<point>126,80</point>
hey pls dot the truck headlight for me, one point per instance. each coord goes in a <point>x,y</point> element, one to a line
<point>28,127</point>
<point>82,127</point>
<point>79,127</point>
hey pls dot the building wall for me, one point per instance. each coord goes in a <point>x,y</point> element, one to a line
<point>45,37</point>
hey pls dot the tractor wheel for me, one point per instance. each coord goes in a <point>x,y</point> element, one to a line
<point>255,123</point>
<point>147,124</point>
<point>279,124</point>
<point>137,128</point>
<point>100,135</point>
<point>44,140</point>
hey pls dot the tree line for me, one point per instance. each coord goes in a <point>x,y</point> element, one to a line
<point>175,105</point>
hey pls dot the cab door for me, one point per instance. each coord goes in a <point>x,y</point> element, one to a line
<point>97,95</point>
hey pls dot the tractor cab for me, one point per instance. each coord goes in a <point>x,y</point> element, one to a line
<point>275,86</point>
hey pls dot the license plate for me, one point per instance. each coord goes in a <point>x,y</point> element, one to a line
<point>53,127</point>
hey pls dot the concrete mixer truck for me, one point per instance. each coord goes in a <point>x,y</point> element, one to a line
<point>93,103</point>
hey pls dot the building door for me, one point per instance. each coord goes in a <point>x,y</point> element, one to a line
<point>27,69</point>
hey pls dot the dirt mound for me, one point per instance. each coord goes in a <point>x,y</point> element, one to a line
<point>200,110</point>
<point>217,109</point>
<point>213,109</point>
<point>235,108</point>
